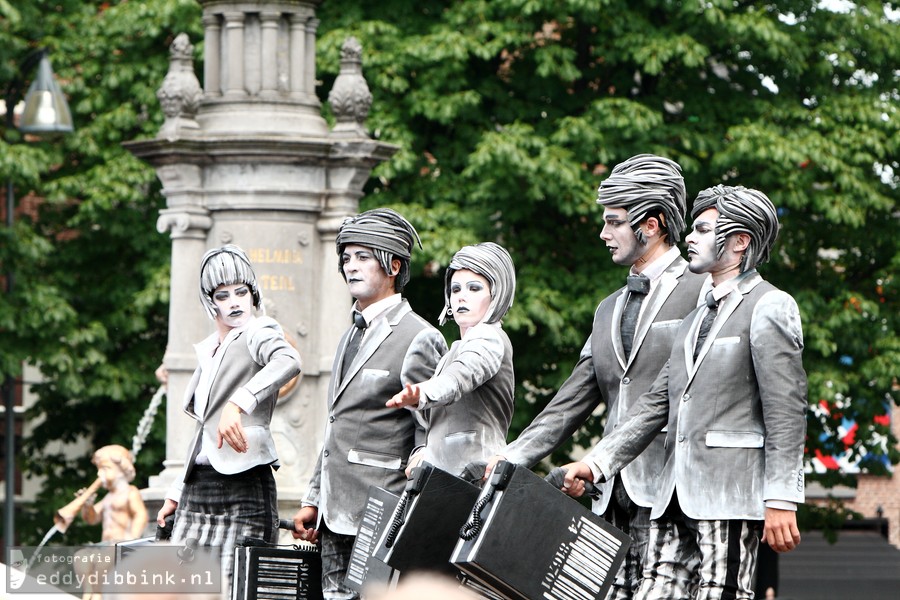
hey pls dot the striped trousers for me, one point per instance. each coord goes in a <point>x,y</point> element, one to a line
<point>635,521</point>
<point>689,559</point>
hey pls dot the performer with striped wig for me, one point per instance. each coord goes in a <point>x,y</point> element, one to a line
<point>386,346</point>
<point>228,489</point>
<point>732,398</point>
<point>644,204</point>
<point>468,404</point>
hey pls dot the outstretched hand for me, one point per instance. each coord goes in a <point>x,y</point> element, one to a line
<point>409,396</point>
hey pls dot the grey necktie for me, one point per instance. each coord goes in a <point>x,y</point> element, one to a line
<point>706,324</point>
<point>355,340</point>
<point>638,288</point>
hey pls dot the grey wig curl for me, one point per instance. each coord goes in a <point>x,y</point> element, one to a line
<point>643,185</point>
<point>741,210</point>
<point>492,262</point>
<point>228,265</point>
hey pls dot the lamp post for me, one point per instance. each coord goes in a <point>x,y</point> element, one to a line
<point>46,112</point>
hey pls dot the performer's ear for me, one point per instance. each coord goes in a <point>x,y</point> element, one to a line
<point>741,241</point>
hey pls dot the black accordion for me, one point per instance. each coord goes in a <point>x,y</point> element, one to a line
<point>364,569</point>
<point>526,540</point>
<point>277,573</point>
<point>415,531</point>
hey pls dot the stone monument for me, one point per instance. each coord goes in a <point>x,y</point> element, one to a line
<point>249,159</point>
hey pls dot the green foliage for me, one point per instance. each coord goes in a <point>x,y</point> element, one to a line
<point>90,301</point>
<point>508,114</point>
<point>511,113</point>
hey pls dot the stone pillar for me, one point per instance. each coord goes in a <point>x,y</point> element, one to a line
<point>298,54</point>
<point>212,66</point>
<point>269,53</point>
<point>251,161</point>
<point>234,63</point>
<point>188,226</point>
<point>309,67</point>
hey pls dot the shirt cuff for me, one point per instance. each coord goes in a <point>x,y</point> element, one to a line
<point>596,472</point>
<point>244,400</point>
<point>781,504</point>
<point>423,400</point>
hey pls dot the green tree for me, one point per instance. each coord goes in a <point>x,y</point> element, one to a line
<point>509,113</point>
<point>91,273</point>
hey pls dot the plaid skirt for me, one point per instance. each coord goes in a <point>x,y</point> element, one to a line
<point>222,510</point>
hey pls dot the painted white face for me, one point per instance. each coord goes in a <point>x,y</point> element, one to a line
<point>470,298</point>
<point>234,304</point>
<point>366,280</point>
<point>623,245</point>
<point>701,242</point>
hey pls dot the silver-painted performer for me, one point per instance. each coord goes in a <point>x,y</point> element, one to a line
<point>387,346</point>
<point>468,404</point>
<point>228,489</point>
<point>644,207</point>
<point>733,400</point>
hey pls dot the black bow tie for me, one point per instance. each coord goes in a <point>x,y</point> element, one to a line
<point>639,284</point>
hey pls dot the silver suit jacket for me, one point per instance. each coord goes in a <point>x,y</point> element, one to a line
<point>260,360</point>
<point>735,418</point>
<point>366,443</point>
<point>603,375</point>
<point>470,399</point>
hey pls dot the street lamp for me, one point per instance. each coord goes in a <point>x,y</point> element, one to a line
<point>46,112</point>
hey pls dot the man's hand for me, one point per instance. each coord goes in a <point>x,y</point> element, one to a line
<point>576,474</point>
<point>780,530</point>
<point>230,428</point>
<point>408,397</point>
<point>414,462</point>
<point>167,509</point>
<point>491,463</point>
<point>304,524</point>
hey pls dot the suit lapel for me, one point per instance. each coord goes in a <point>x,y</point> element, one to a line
<point>213,377</point>
<point>379,331</point>
<point>726,308</point>
<point>615,330</point>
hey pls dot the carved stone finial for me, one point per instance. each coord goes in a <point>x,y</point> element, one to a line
<point>350,97</point>
<point>180,92</point>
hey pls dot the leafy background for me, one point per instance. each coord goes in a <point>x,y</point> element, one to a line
<point>508,114</point>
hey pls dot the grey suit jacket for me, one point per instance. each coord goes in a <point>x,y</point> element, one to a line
<point>260,360</point>
<point>736,418</point>
<point>367,443</point>
<point>470,399</point>
<point>602,375</point>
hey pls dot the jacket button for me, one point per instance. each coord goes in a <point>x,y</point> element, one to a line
<point>680,439</point>
<point>325,454</point>
<point>626,380</point>
<point>686,397</point>
<point>331,418</point>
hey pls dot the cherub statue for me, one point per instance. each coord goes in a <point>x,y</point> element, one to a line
<point>122,510</point>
